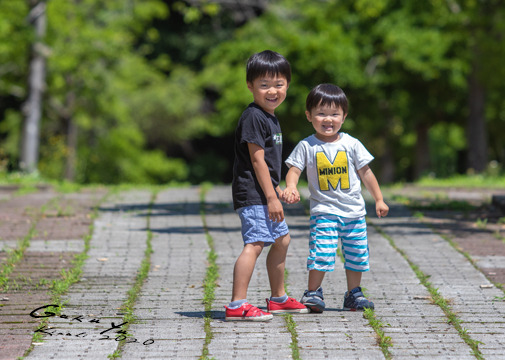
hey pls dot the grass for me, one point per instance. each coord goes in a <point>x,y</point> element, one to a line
<point>383,341</point>
<point>291,325</point>
<point>68,277</point>
<point>377,325</point>
<point>128,306</point>
<point>211,277</point>
<point>15,255</point>
<point>473,181</point>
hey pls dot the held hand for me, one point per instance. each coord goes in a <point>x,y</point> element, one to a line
<point>280,193</point>
<point>275,210</point>
<point>291,195</point>
<point>381,208</point>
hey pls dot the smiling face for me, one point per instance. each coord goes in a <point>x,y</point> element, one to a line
<point>327,121</point>
<point>269,91</point>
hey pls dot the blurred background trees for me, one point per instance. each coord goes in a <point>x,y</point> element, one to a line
<point>150,91</point>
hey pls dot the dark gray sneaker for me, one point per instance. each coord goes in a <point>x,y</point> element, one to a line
<point>314,300</point>
<point>355,300</point>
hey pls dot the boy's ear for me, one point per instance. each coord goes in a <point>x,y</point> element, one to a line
<point>345,115</point>
<point>307,114</point>
<point>250,86</point>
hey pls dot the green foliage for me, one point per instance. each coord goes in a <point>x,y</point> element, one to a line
<point>10,131</point>
<point>155,74</point>
<point>447,139</point>
<point>118,95</point>
<point>14,41</point>
<point>404,67</point>
<point>117,160</point>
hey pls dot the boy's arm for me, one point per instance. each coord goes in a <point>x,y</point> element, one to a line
<point>257,153</point>
<point>372,185</point>
<point>291,194</point>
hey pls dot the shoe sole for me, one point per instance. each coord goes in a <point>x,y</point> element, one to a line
<point>293,311</point>
<point>354,309</point>
<point>250,318</point>
<point>315,308</point>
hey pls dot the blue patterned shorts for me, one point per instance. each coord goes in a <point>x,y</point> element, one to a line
<point>256,226</point>
<point>325,230</point>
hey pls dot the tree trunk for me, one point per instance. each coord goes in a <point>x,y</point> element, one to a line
<point>36,83</point>
<point>476,131</point>
<point>387,165</point>
<point>422,161</point>
<point>72,132</point>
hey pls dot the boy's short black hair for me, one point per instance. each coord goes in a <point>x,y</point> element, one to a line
<point>327,95</point>
<point>267,62</point>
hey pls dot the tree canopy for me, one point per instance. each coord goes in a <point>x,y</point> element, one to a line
<point>151,90</point>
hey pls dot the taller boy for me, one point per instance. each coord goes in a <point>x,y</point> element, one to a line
<point>256,191</point>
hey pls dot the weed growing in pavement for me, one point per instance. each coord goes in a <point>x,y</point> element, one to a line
<point>383,341</point>
<point>133,293</point>
<point>418,215</point>
<point>14,256</point>
<point>211,277</point>
<point>291,325</point>
<point>25,190</point>
<point>481,223</point>
<point>438,299</point>
<point>497,234</point>
<point>69,277</point>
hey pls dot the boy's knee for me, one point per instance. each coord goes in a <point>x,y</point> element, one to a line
<point>255,247</point>
<point>282,242</point>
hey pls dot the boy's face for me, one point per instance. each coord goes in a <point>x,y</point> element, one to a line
<point>269,91</point>
<point>327,121</point>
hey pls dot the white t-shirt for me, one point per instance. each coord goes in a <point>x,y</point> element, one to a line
<point>332,173</point>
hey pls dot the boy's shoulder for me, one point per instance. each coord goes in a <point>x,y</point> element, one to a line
<point>254,110</point>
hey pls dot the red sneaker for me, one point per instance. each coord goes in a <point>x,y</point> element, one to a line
<point>247,312</point>
<point>289,306</point>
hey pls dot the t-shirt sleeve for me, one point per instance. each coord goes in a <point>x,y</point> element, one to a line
<point>363,156</point>
<point>298,157</point>
<point>253,130</point>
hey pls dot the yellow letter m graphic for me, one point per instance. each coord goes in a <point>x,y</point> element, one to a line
<point>331,173</point>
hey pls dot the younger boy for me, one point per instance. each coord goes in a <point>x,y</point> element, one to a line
<point>256,177</point>
<point>335,163</point>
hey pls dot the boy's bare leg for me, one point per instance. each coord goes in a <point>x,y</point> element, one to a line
<point>315,279</point>
<point>353,279</point>
<point>244,267</point>
<point>276,263</point>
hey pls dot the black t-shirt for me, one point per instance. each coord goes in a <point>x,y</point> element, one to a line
<point>263,129</point>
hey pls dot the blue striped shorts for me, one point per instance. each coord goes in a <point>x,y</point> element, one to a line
<point>325,230</point>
